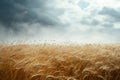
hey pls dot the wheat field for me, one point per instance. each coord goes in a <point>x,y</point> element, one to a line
<point>60,62</point>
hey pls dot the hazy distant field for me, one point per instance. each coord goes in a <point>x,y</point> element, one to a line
<point>60,62</point>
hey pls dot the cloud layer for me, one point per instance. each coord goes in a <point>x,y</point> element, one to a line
<point>74,20</point>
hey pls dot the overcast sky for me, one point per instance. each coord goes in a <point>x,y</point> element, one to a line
<point>68,20</point>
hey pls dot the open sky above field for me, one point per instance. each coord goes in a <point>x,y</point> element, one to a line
<point>67,20</point>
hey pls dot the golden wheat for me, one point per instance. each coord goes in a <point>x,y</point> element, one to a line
<point>60,62</point>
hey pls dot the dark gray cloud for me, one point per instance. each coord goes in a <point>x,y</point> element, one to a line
<point>13,11</point>
<point>113,14</point>
<point>23,19</point>
<point>27,11</point>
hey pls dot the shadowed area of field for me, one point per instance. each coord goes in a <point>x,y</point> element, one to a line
<point>60,62</point>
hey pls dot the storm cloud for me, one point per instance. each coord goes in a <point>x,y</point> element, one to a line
<point>27,11</point>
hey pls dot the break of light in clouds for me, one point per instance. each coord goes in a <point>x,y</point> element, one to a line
<point>68,20</point>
